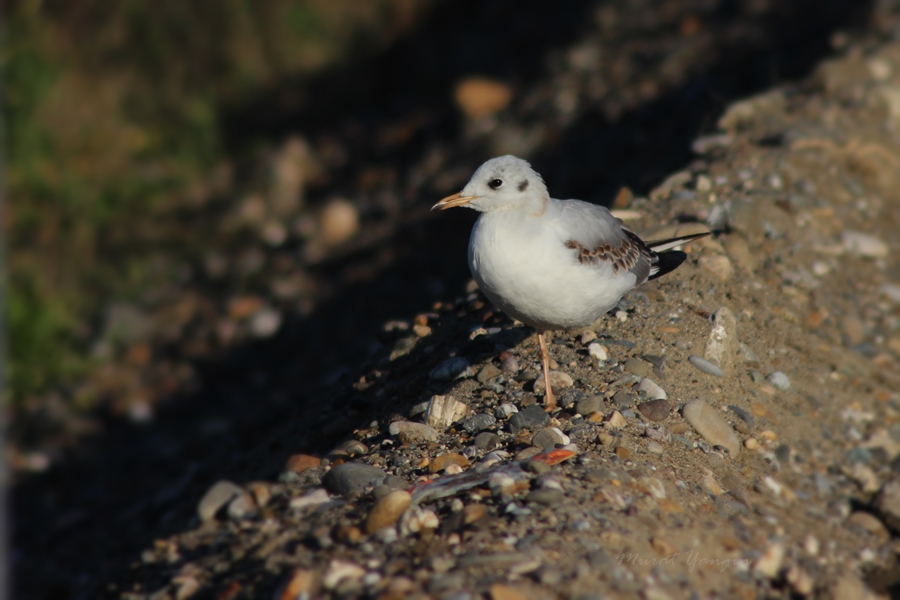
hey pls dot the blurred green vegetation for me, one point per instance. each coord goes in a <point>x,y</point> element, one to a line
<point>112,123</point>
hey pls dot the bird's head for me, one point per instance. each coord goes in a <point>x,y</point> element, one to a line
<point>500,183</point>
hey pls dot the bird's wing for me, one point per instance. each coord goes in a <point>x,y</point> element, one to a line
<point>596,237</point>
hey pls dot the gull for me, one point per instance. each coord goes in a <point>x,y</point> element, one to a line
<point>552,264</point>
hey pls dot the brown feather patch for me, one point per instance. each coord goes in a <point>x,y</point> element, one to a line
<point>624,257</point>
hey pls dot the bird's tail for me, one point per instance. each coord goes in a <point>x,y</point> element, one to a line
<point>668,260</point>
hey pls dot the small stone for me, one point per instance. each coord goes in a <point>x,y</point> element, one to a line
<point>487,440</point>
<point>242,507</point>
<point>348,449</point>
<point>652,390</point>
<point>587,337</point>
<point>751,444</point>
<point>865,245</point>
<point>409,431</point>
<point>339,572</point>
<point>479,422</point>
<point>314,498</point>
<point>444,411</point>
<point>558,380</point>
<point>655,410</point>
<point>637,366</point>
<point>265,322</point>
<point>598,352</point>
<point>722,345</point>
<point>769,564</point>
<point>606,440</point>
<point>654,447</point>
<point>548,438</point>
<point>487,372</point>
<point>351,477</point>
<point>509,365</point>
<point>546,496</point>
<point>417,519</point>
<point>480,97</point>
<point>505,592</point>
<point>445,460</point>
<point>710,424</point>
<point>338,221</point>
<point>800,580</point>
<point>717,265</point>
<point>616,420</point>
<point>505,410</point>
<point>623,453</point>
<point>220,494</point>
<point>298,463</point>
<point>589,405</point>
<point>779,380</point>
<point>451,369</point>
<point>871,524</point>
<point>705,366</point>
<point>887,503</point>
<point>532,417</point>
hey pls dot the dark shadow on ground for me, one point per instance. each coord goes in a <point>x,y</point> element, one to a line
<point>84,523</point>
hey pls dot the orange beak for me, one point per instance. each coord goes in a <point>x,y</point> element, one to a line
<point>452,201</point>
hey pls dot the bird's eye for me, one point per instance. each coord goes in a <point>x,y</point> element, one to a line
<point>495,183</point>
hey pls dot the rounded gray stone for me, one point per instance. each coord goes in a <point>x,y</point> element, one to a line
<point>706,366</point>
<point>350,478</point>
<point>531,417</point>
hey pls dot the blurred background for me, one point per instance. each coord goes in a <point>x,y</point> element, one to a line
<point>216,210</point>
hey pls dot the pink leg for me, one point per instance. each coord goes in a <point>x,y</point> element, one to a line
<point>549,398</point>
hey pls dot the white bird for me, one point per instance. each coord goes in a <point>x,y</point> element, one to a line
<point>552,264</point>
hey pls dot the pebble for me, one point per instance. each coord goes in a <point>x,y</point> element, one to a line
<point>531,418</point>
<point>387,510</point>
<point>716,265</point>
<point>339,571</point>
<point>654,447</point>
<point>887,503</point>
<point>751,444</point>
<point>265,322</point>
<point>548,438</point>
<point>479,422</point>
<point>546,496</point>
<point>487,372</point>
<point>637,366</point>
<point>891,291</point>
<point>710,424</point>
<point>589,405</point>
<point>409,431</point>
<point>865,245</point>
<point>769,564</point>
<point>242,507</point>
<point>451,369</point>
<point>509,365</point>
<point>705,366</point>
<point>871,524</point>
<point>417,519</point>
<point>479,97</point>
<point>655,410</point>
<point>443,411</point>
<point>487,440</point>
<point>505,410</point>
<point>348,449</point>
<point>652,390</point>
<point>298,463</point>
<point>598,352</point>
<point>742,414</point>
<point>558,380</point>
<point>779,380</point>
<point>314,498</point>
<point>338,221</point>
<point>623,453</point>
<point>616,420</point>
<point>350,478</point>
<point>220,494</point>
<point>587,337</point>
<point>800,580</point>
<point>722,345</point>
<point>445,460</point>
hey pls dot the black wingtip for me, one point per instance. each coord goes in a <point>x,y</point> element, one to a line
<point>668,262</point>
